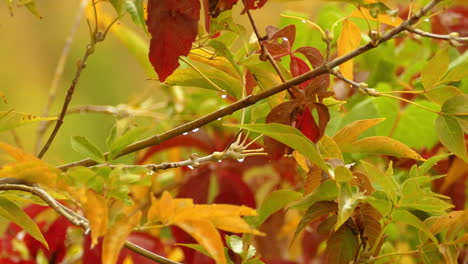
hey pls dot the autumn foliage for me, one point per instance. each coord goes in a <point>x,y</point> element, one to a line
<point>334,139</point>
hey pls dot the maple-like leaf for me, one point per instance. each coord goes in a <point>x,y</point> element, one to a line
<point>201,221</point>
<point>173,26</point>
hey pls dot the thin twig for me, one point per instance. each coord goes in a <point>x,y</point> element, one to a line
<point>452,36</point>
<point>79,220</point>
<point>396,254</point>
<point>95,38</point>
<point>252,99</point>
<point>59,72</point>
<point>265,53</point>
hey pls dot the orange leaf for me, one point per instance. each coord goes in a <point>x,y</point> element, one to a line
<point>27,167</point>
<point>95,210</point>
<point>205,233</point>
<point>116,236</point>
<point>349,39</point>
<point>350,133</point>
<point>381,18</point>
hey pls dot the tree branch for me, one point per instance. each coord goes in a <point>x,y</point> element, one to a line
<point>450,37</point>
<point>79,220</point>
<point>252,99</point>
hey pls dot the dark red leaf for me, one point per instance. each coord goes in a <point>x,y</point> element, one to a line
<point>254,4</point>
<point>280,42</point>
<point>298,66</point>
<point>317,85</point>
<point>454,19</point>
<point>313,55</point>
<point>250,82</point>
<point>218,6</point>
<point>282,114</point>
<point>306,124</point>
<point>173,25</point>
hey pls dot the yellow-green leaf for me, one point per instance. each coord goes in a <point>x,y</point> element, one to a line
<point>83,146</point>
<point>12,119</point>
<point>435,69</point>
<point>349,39</point>
<point>385,180</point>
<point>383,146</point>
<point>12,212</point>
<point>451,135</point>
<point>329,148</point>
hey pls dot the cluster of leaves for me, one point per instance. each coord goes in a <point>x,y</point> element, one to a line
<point>347,177</point>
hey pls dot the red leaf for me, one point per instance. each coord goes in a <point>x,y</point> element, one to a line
<point>173,25</point>
<point>306,124</point>
<point>298,67</point>
<point>250,82</point>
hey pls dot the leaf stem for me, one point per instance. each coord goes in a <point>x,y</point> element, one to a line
<point>396,254</point>
<point>408,101</point>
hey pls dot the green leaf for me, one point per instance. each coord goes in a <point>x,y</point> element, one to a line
<point>406,217</point>
<point>254,261</point>
<point>428,164</point>
<point>342,246</point>
<point>435,69</point>
<point>327,191</point>
<point>347,202</point>
<point>289,136</point>
<point>379,200</point>
<point>12,119</point>
<point>451,135</point>
<point>385,180</point>
<point>457,73</point>
<point>31,6</point>
<point>414,196</point>
<point>415,126</point>
<point>315,211</point>
<point>272,203</point>
<point>83,146</point>
<point>126,139</point>
<point>343,174</point>
<point>136,11</point>
<point>440,94</point>
<point>12,212</point>
<point>204,76</point>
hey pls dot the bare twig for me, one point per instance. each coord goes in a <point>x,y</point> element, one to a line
<point>450,37</point>
<point>96,37</point>
<point>237,150</point>
<point>79,220</point>
<point>59,71</point>
<point>252,99</point>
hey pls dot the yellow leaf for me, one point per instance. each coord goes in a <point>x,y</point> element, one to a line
<point>128,260</point>
<point>201,220</point>
<point>329,149</point>
<point>233,224</point>
<point>456,171</point>
<point>96,211</point>
<point>205,233</point>
<point>349,39</point>
<point>312,180</point>
<point>27,167</point>
<point>381,18</point>
<point>301,160</point>
<point>350,133</point>
<point>116,236</point>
